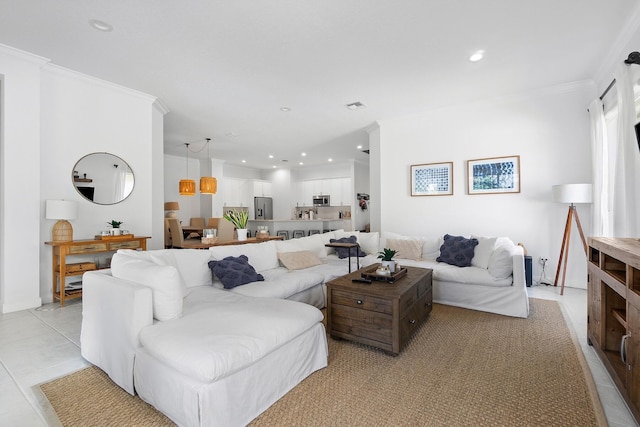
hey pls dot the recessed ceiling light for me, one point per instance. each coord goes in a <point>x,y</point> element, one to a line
<point>303,154</point>
<point>244,161</point>
<point>330,160</point>
<point>274,166</point>
<point>100,25</point>
<point>477,56</point>
<point>359,147</point>
<point>271,156</point>
<point>355,106</point>
<point>301,163</point>
<point>285,109</point>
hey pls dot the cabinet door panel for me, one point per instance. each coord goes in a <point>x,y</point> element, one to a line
<point>633,354</point>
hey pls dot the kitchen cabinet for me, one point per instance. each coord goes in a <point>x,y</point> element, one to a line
<point>237,192</point>
<point>613,322</point>
<point>262,188</point>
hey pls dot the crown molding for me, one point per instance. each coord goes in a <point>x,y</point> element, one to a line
<point>23,55</point>
<point>76,75</point>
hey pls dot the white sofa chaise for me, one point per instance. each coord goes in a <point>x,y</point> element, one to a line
<point>160,325</point>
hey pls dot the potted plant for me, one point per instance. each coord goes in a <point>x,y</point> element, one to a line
<point>115,230</point>
<point>239,219</point>
<point>386,255</point>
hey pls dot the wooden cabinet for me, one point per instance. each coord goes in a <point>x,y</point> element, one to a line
<point>613,323</point>
<point>379,314</point>
<point>61,269</point>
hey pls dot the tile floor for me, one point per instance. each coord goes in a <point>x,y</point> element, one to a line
<point>39,345</point>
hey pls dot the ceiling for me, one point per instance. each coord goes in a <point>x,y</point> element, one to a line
<point>224,69</point>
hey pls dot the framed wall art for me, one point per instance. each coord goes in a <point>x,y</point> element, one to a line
<point>494,175</point>
<point>432,179</point>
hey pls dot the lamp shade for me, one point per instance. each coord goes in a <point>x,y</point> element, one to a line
<point>208,185</point>
<point>572,193</point>
<point>61,209</point>
<point>171,206</point>
<point>187,187</point>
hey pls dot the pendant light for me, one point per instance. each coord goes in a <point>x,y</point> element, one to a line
<point>208,184</point>
<point>187,186</point>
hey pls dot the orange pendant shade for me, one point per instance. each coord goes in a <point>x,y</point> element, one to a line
<point>208,185</point>
<point>187,187</point>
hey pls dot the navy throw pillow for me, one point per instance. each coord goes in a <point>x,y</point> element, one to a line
<point>457,250</point>
<point>344,252</point>
<point>234,271</point>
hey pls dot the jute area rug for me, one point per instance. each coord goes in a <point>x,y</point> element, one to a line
<point>462,368</point>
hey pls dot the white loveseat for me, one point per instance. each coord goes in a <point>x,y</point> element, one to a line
<point>158,323</point>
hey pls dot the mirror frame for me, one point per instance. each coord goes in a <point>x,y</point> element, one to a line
<point>117,161</point>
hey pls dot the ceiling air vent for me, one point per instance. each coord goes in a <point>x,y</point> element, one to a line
<point>355,106</point>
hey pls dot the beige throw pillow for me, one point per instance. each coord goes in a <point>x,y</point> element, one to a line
<point>298,260</point>
<point>407,248</point>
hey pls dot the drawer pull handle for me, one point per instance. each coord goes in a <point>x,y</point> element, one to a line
<point>412,321</point>
<point>359,301</point>
<point>623,349</point>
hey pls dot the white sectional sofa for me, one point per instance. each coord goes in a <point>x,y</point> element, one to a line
<point>160,325</point>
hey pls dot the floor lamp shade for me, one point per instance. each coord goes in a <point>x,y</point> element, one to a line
<point>572,193</point>
<point>62,210</point>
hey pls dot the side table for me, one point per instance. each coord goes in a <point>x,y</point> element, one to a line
<point>349,246</point>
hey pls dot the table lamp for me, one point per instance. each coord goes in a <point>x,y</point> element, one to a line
<point>572,194</point>
<point>171,207</point>
<point>62,210</point>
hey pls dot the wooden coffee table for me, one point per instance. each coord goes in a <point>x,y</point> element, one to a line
<point>380,314</point>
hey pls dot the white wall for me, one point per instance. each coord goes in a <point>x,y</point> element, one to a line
<point>549,130</point>
<point>81,115</point>
<point>175,169</point>
<point>20,202</point>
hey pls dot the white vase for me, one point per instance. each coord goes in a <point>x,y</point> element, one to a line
<point>242,234</point>
<point>391,265</point>
<point>115,231</point>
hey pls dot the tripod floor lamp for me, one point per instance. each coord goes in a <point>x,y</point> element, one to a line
<point>571,194</point>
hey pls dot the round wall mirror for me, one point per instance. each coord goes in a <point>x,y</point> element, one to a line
<point>103,178</point>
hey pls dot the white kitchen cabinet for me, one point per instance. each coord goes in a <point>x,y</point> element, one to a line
<point>236,192</point>
<point>347,192</point>
<point>262,188</point>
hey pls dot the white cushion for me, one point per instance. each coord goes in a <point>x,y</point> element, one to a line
<point>262,256</point>
<point>482,252</point>
<point>501,263</point>
<point>314,243</point>
<point>164,281</point>
<point>159,257</point>
<point>369,242</point>
<point>431,247</point>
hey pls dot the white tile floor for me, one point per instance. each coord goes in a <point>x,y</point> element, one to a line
<point>42,344</point>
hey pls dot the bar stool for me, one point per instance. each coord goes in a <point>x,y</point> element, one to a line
<point>283,233</point>
<point>298,233</point>
<point>314,232</point>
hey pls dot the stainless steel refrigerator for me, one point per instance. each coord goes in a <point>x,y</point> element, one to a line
<point>263,207</point>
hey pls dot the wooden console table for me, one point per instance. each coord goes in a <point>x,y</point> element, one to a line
<point>60,270</point>
<point>613,321</point>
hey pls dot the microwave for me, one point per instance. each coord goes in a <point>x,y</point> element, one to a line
<point>321,200</point>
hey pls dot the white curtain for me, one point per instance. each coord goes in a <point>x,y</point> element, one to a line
<point>626,190</point>
<point>600,223</point>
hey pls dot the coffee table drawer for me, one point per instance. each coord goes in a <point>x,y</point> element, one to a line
<point>360,325</point>
<point>414,317</point>
<point>361,301</point>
